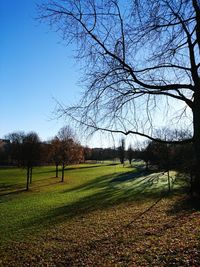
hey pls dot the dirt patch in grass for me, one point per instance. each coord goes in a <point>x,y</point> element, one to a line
<point>141,233</point>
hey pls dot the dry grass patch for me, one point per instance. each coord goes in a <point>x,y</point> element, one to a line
<point>123,235</point>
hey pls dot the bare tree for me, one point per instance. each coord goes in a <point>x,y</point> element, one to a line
<point>31,153</point>
<point>66,138</point>
<point>142,57</point>
<point>25,150</point>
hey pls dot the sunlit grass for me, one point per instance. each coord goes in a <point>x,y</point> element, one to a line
<point>86,188</point>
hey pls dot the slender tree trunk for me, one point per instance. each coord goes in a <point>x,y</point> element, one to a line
<point>31,171</point>
<point>63,172</point>
<point>56,170</point>
<point>196,142</point>
<point>27,178</point>
<point>168,166</point>
<point>196,108</point>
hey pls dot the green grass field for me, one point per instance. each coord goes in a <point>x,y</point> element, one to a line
<point>99,216</point>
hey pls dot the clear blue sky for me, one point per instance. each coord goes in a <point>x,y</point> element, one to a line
<point>35,67</point>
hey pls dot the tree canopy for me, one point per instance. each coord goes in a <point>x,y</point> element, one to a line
<point>142,57</point>
<point>142,64</point>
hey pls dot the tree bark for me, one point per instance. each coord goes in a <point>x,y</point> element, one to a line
<point>196,141</point>
<point>56,170</point>
<point>31,170</point>
<point>63,172</point>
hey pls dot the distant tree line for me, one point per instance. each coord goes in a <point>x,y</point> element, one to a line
<point>63,149</point>
<point>27,151</point>
<point>100,154</point>
<point>114,154</point>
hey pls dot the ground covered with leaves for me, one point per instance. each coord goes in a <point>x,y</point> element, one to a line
<point>157,230</point>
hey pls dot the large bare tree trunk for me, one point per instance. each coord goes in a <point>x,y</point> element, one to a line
<point>196,142</point>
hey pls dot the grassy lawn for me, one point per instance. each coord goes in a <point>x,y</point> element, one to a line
<point>102,215</point>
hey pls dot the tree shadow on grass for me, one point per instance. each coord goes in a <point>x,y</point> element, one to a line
<point>49,171</point>
<point>78,167</point>
<point>98,165</point>
<point>131,175</point>
<point>102,193</point>
<point>3,196</point>
<point>10,189</point>
<point>132,182</point>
